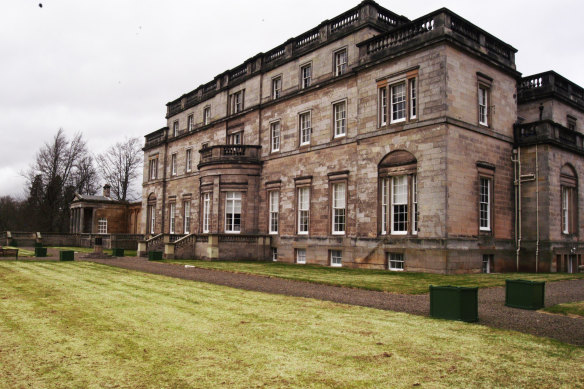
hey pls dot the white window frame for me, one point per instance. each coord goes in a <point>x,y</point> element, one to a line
<point>487,265</point>
<point>397,200</point>
<point>102,225</point>
<point>190,122</point>
<point>175,128</point>
<point>483,104</point>
<point>153,167</point>
<point>235,138</point>
<point>232,206</point>
<point>396,261</point>
<point>485,200</point>
<point>339,208</point>
<point>274,254</point>
<point>301,256</point>
<point>206,211</point>
<point>303,210</point>
<point>414,178</point>
<point>274,204</point>
<point>568,193</point>
<point>276,87</point>
<point>172,217</point>
<point>304,123</point>
<point>413,98</point>
<point>173,164</point>
<point>187,217</point>
<point>341,62</point>
<point>383,106</point>
<point>336,258</point>
<point>189,160</point>
<point>237,102</point>
<point>152,221</point>
<point>398,102</point>
<point>340,119</point>
<point>206,115</point>
<point>275,136</point>
<point>305,76</point>
<point>385,192</point>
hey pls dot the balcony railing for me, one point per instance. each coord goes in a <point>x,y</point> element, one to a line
<point>544,84</point>
<point>548,132</point>
<point>230,154</point>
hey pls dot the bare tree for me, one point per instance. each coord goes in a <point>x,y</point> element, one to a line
<point>120,166</point>
<point>61,168</point>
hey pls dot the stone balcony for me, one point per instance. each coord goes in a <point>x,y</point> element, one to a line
<point>549,132</point>
<point>550,84</point>
<point>224,154</point>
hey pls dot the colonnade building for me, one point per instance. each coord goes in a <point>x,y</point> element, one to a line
<point>373,141</point>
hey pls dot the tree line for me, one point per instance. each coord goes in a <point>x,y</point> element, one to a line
<point>62,168</point>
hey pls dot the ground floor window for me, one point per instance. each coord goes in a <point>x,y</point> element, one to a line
<point>233,212</point>
<point>301,256</point>
<point>187,217</point>
<point>172,217</point>
<point>395,261</point>
<point>206,211</point>
<point>336,258</point>
<point>102,226</point>
<point>488,266</point>
<point>152,218</point>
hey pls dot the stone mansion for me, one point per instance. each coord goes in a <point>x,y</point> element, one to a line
<point>374,141</point>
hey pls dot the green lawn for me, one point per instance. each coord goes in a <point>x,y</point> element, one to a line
<point>84,325</point>
<point>576,309</point>
<point>382,280</point>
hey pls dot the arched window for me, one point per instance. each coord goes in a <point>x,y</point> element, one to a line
<point>569,198</point>
<point>398,184</point>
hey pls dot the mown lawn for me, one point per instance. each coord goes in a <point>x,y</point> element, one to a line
<point>382,280</point>
<point>575,309</point>
<point>90,326</point>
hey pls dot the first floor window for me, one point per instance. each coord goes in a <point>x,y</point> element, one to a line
<point>207,115</point>
<point>276,87</point>
<point>398,102</point>
<point>485,204</point>
<point>304,120</point>
<point>187,217</point>
<point>340,119</point>
<point>303,209</point>
<point>306,75</point>
<point>102,226</point>
<point>206,211</point>
<point>235,138</point>
<point>339,207</point>
<point>190,123</point>
<point>274,209</point>
<point>395,261</point>
<point>189,160</point>
<point>383,106</point>
<point>413,99</point>
<point>172,217</point>
<point>173,164</point>
<point>275,134</point>
<point>301,256</point>
<point>483,105</point>
<point>336,258</point>
<point>340,62</point>
<point>233,212</point>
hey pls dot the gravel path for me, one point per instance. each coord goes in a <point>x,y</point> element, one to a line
<point>492,311</point>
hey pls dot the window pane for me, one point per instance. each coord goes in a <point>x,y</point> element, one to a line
<point>398,102</point>
<point>400,204</point>
<point>485,204</point>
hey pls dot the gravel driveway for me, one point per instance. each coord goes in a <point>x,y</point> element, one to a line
<point>492,311</point>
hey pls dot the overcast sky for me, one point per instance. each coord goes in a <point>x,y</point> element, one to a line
<point>107,68</point>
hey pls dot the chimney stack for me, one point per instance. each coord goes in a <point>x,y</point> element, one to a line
<point>106,190</point>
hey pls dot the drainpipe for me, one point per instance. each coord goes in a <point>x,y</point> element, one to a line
<point>517,171</point>
<point>537,209</point>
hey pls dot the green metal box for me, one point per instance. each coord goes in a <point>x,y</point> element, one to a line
<point>524,294</point>
<point>155,255</point>
<point>118,252</point>
<point>40,252</point>
<point>454,303</point>
<point>66,255</point>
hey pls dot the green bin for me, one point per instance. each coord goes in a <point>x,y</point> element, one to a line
<point>524,294</point>
<point>66,255</point>
<point>454,303</point>
<point>40,252</point>
<point>155,255</point>
<point>118,252</point>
